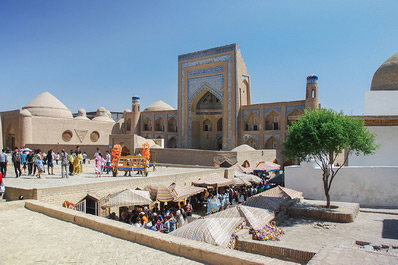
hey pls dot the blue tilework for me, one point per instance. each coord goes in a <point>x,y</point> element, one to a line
<point>206,71</point>
<point>290,108</point>
<point>248,111</point>
<point>159,115</point>
<point>277,109</point>
<point>214,82</point>
<point>144,116</point>
<point>228,59</point>
<point>277,136</point>
<point>213,51</point>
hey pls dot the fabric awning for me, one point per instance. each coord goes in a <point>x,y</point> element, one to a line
<point>268,203</point>
<point>280,191</point>
<point>128,198</point>
<point>255,217</point>
<point>213,180</point>
<point>267,166</point>
<point>216,231</point>
<point>182,192</point>
<point>160,193</point>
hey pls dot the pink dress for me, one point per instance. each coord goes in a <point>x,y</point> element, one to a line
<point>98,167</point>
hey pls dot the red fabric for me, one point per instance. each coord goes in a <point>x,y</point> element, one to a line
<point>1,178</point>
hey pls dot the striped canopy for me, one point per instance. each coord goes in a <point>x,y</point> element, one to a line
<point>268,203</point>
<point>255,217</point>
<point>213,180</point>
<point>160,193</point>
<point>183,192</point>
<point>279,191</point>
<point>216,231</point>
<point>128,198</point>
<point>267,166</point>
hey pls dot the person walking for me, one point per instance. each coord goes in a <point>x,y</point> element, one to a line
<point>50,162</point>
<point>17,160</point>
<point>108,162</point>
<point>64,164</point>
<point>29,161</point>
<point>98,165</point>
<point>39,163</point>
<point>3,162</point>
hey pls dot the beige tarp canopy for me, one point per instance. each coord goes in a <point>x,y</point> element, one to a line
<point>267,166</point>
<point>255,217</point>
<point>160,193</point>
<point>128,198</point>
<point>216,231</point>
<point>281,192</point>
<point>182,192</point>
<point>213,180</point>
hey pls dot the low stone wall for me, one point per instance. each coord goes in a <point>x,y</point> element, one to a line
<point>345,213</point>
<point>290,254</point>
<point>210,157</point>
<point>12,193</point>
<point>198,251</point>
<point>74,193</point>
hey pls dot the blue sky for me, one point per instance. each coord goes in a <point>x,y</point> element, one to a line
<point>100,53</point>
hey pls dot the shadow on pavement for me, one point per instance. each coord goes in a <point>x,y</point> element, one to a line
<point>390,229</point>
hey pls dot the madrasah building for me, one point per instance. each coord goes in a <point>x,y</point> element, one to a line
<point>215,112</point>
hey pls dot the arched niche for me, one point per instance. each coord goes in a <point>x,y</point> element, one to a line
<point>159,124</point>
<point>172,125</point>
<point>147,124</point>
<point>272,120</point>
<point>251,122</point>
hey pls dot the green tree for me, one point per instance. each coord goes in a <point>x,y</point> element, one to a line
<point>322,135</point>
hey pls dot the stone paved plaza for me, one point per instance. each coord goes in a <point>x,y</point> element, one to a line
<point>305,234</point>
<point>32,238</point>
<point>88,176</point>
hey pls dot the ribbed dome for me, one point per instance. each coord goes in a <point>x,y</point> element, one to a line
<point>46,105</point>
<point>158,106</point>
<point>386,77</point>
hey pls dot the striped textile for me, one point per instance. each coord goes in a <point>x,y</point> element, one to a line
<point>216,231</point>
<point>213,180</point>
<point>128,198</point>
<point>232,212</point>
<point>279,191</point>
<point>254,217</point>
<point>160,193</point>
<point>268,203</point>
<point>183,192</point>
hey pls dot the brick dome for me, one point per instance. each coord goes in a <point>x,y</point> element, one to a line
<point>386,77</point>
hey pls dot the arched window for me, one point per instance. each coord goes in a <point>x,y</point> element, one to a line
<point>272,121</point>
<point>207,125</point>
<point>219,125</point>
<point>271,143</point>
<point>147,124</point>
<point>159,124</point>
<point>172,125</point>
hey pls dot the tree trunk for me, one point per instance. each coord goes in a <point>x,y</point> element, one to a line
<point>327,200</point>
<point>325,179</point>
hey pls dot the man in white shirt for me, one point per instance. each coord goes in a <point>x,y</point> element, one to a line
<point>108,162</point>
<point>3,163</point>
